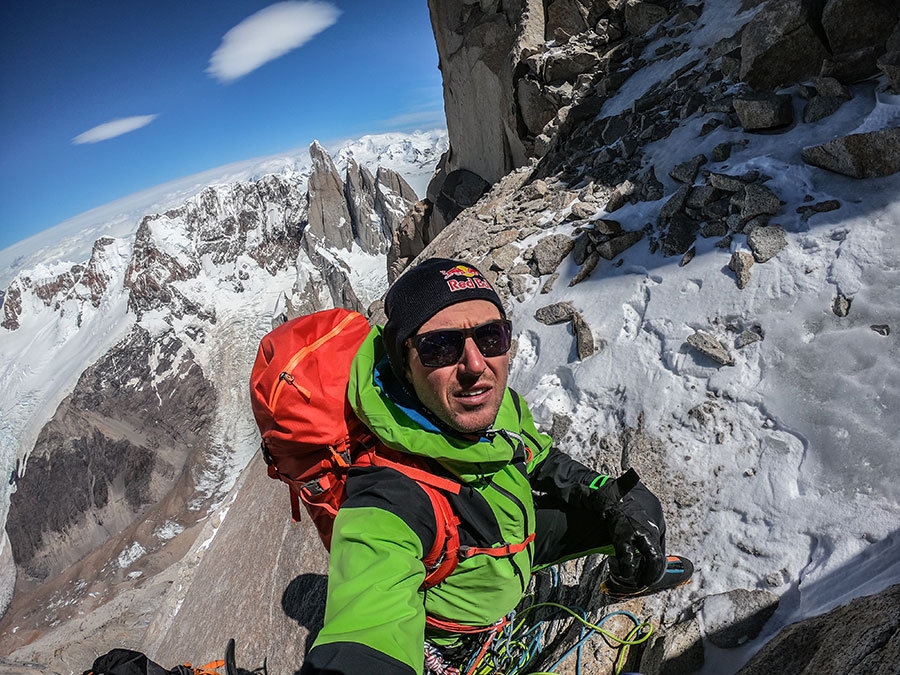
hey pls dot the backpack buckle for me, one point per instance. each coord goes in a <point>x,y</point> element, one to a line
<point>313,487</point>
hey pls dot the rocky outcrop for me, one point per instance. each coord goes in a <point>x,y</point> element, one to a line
<point>136,424</point>
<point>73,290</point>
<point>863,155</point>
<point>394,198</point>
<point>261,220</point>
<point>860,637</point>
<point>329,214</point>
<point>479,47</point>
<point>377,205</point>
<point>359,195</point>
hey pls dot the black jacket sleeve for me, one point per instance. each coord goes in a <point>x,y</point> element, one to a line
<point>351,658</point>
<point>562,477</point>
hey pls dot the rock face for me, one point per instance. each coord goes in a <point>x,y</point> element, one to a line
<point>820,644</point>
<point>268,583</point>
<point>329,214</point>
<point>136,426</point>
<point>479,45</point>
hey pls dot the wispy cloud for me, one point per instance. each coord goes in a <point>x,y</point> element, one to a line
<point>112,129</point>
<point>268,34</point>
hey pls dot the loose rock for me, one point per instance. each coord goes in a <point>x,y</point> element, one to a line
<point>733,618</point>
<point>766,242</point>
<point>841,305</point>
<point>740,264</point>
<point>709,346</point>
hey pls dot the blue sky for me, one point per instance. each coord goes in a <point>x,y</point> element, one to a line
<point>102,99</point>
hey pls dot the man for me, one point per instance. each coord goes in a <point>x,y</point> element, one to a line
<point>433,384</point>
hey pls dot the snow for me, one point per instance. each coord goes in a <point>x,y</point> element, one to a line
<point>168,530</point>
<point>131,555</point>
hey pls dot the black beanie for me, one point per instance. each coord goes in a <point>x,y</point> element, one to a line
<point>423,291</point>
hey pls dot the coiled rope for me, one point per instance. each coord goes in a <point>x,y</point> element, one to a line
<point>513,645</point>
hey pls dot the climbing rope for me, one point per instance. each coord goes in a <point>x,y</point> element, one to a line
<point>510,650</point>
<point>512,644</point>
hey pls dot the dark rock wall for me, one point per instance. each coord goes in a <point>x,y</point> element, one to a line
<point>138,419</point>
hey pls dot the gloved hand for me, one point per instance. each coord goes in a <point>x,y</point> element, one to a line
<point>640,560</point>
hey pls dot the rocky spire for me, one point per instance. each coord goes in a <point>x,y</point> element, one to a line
<point>329,214</point>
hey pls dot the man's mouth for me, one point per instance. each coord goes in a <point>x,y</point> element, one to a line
<point>474,395</point>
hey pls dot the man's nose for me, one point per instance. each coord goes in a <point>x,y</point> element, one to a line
<point>472,360</point>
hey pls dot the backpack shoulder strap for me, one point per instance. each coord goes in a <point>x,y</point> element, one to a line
<point>443,556</point>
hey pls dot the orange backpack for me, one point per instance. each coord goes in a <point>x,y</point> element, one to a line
<point>311,436</point>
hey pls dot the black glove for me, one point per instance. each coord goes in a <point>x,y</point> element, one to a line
<point>640,559</point>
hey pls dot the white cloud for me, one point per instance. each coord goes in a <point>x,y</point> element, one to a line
<point>112,129</point>
<point>268,34</point>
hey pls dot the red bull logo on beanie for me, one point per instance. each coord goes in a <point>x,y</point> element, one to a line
<point>462,276</point>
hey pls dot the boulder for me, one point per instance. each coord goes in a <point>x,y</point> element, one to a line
<point>612,247</point>
<point>460,190</point>
<point>535,106</point>
<point>764,111</point>
<point>854,24</point>
<point>559,312</point>
<point>709,346</point>
<point>733,618</point>
<point>889,64</point>
<point>758,200</point>
<point>863,155</point>
<point>641,16</point>
<point>850,67</point>
<point>740,264</point>
<point>766,242</point>
<point>567,66</point>
<point>550,251</point>
<point>781,45</point>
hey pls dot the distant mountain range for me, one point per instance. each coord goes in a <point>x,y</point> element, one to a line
<point>413,156</point>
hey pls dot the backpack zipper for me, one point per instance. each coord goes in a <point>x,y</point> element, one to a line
<point>286,375</point>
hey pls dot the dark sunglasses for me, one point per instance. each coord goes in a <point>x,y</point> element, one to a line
<point>439,348</point>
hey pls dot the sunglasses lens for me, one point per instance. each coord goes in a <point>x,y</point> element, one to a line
<point>441,348</point>
<point>492,339</point>
<point>445,347</point>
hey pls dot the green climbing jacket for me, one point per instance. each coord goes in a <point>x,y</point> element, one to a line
<point>376,608</point>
